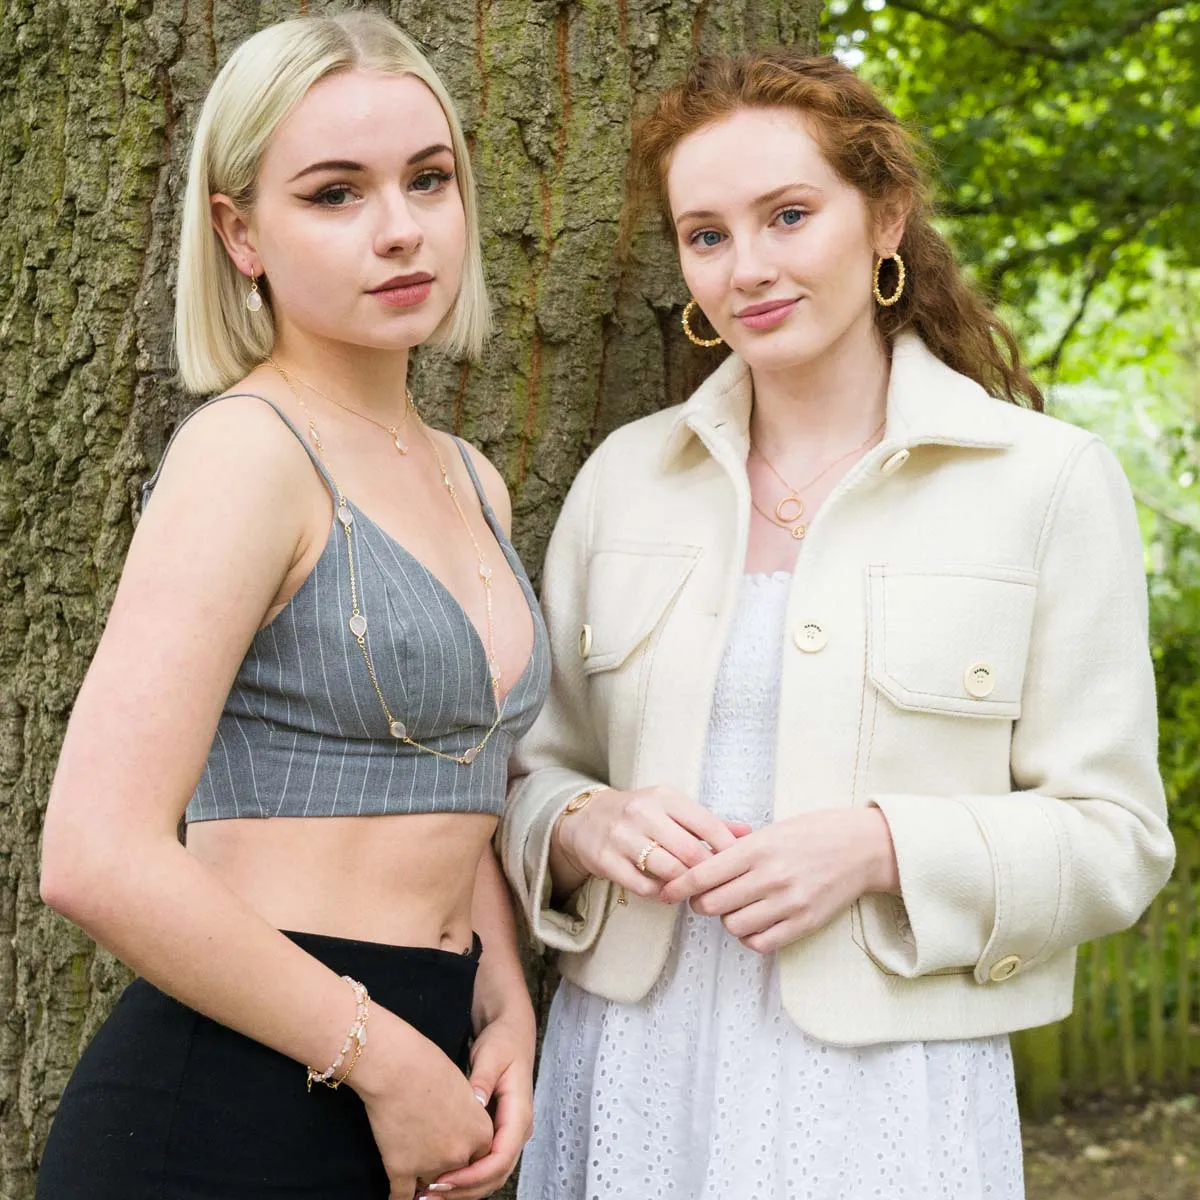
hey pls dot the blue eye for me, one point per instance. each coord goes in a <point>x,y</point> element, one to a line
<point>792,216</point>
<point>706,237</point>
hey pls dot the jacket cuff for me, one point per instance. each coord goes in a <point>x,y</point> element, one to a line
<point>574,925</point>
<point>943,918</point>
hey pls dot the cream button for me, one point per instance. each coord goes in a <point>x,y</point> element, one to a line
<point>1004,968</point>
<point>894,463</point>
<point>980,680</point>
<point>585,641</point>
<point>810,637</point>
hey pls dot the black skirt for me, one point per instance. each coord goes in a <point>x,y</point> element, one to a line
<point>166,1104</point>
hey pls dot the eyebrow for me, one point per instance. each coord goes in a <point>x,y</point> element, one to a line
<point>345,164</point>
<point>766,198</point>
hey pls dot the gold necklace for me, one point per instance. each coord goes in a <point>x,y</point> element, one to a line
<point>358,619</point>
<point>394,430</point>
<point>793,502</point>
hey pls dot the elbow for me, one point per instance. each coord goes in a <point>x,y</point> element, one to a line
<point>62,883</point>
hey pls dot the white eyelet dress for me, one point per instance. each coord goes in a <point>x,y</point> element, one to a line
<point>706,1090</point>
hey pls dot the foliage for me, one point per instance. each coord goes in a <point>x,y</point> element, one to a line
<point>1066,134</point>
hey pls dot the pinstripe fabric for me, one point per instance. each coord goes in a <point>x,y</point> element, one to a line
<point>302,732</point>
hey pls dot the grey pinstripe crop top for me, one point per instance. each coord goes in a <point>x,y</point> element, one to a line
<point>303,733</point>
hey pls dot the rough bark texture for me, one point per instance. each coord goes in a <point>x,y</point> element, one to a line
<point>97,102</point>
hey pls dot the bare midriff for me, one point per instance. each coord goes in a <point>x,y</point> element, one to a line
<point>404,880</point>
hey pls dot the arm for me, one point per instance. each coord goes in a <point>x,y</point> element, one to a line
<point>505,1038</point>
<point>1080,846</point>
<point>224,530</point>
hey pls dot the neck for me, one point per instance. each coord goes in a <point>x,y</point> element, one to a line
<point>368,380</point>
<point>823,406</point>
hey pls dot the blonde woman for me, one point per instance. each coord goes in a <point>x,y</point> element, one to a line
<point>851,736</point>
<point>320,652</point>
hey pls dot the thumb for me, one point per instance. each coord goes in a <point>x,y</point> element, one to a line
<point>485,1074</point>
<point>739,829</point>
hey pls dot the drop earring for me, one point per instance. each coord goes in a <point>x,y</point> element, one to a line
<point>254,300</point>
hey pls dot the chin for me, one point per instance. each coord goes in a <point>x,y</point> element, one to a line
<point>782,350</point>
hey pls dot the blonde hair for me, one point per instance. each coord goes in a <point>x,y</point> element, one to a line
<point>217,339</point>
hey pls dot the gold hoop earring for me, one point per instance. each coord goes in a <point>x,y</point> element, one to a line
<point>687,328</point>
<point>254,300</point>
<point>894,298</point>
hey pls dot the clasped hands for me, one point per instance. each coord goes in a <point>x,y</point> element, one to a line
<point>769,887</point>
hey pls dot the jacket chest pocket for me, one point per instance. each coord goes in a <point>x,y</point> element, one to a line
<point>951,639</point>
<point>631,587</point>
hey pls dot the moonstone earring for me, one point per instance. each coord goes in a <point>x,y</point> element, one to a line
<point>254,297</point>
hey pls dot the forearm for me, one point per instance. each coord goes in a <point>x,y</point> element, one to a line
<point>500,988</point>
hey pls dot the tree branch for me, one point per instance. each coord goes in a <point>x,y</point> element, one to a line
<point>1095,275</point>
<point>1039,49</point>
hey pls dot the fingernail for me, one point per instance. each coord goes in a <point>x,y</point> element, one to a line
<point>480,1095</point>
<point>440,1187</point>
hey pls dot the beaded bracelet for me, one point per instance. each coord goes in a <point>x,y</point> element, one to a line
<point>356,1039</point>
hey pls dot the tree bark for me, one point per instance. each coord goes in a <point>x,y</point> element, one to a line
<point>97,104</point>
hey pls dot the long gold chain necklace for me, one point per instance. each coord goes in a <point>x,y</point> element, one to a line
<point>394,430</point>
<point>358,619</point>
<point>790,509</point>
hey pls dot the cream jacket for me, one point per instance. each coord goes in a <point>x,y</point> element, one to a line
<point>966,648</point>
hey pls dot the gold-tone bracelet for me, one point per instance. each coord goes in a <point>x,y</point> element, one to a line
<point>356,1039</point>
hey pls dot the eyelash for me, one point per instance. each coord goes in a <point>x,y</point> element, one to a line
<point>442,179</point>
<point>694,239</point>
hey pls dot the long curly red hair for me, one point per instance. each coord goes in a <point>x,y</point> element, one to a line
<point>870,148</point>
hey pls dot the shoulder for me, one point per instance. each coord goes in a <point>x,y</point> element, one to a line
<point>234,441</point>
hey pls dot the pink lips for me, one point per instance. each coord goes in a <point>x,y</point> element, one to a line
<point>766,315</point>
<point>405,291</point>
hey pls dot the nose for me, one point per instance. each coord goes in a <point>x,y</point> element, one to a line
<point>397,232</point>
<point>752,270</point>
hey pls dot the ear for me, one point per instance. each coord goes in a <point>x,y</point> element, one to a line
<point>889,228</point>
<point>235,232</point>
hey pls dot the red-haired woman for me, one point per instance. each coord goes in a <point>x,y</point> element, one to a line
<point>850,655</point>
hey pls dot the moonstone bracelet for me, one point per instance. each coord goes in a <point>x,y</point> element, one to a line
<point>356,1039</point>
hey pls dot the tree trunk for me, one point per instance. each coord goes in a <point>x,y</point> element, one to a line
<point>97,104</point>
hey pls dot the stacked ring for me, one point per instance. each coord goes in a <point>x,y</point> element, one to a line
<point>647,850</point>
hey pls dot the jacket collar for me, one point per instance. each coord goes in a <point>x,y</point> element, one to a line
<point>928,403</point>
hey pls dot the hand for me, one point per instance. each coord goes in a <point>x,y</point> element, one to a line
<point>605,838</point>
<point>424,1117</point>
<point>502,1077</point>
<point>786,881</point>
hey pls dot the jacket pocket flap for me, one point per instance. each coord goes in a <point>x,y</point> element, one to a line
<point>630,587</point>
<point>951,639</point>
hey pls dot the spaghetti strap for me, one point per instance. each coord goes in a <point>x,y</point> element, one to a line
<point>483,500</point>
<point>148,486</point>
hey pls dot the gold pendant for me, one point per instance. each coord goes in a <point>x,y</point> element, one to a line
<point>792,514</point>
<point>399,444</point>
<point>798,531</point>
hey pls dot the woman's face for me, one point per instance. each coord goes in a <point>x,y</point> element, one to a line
<point>358,223</point>
<point>776,248</point>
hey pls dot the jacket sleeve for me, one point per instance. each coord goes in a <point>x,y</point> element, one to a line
<point>561,755</point>
<point>1001,883</point>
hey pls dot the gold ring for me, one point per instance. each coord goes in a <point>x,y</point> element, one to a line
<point>647,850</point>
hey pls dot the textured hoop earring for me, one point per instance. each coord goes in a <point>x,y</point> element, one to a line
<point>880,298</point>
<point>687,328</point>
<point>254,299</point>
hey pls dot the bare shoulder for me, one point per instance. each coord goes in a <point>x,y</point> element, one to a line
<point>494,486</point>
<point>236,439</point>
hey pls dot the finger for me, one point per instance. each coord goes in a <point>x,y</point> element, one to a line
<point>678,842</point>
<point>703,824</point>
<point>756,917</point>
<point>719,869</point>
<point>663,866</point>
<point>730,897</point>
<point>619,868</point>
<point>739,829</point>
<point>775,937</point>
